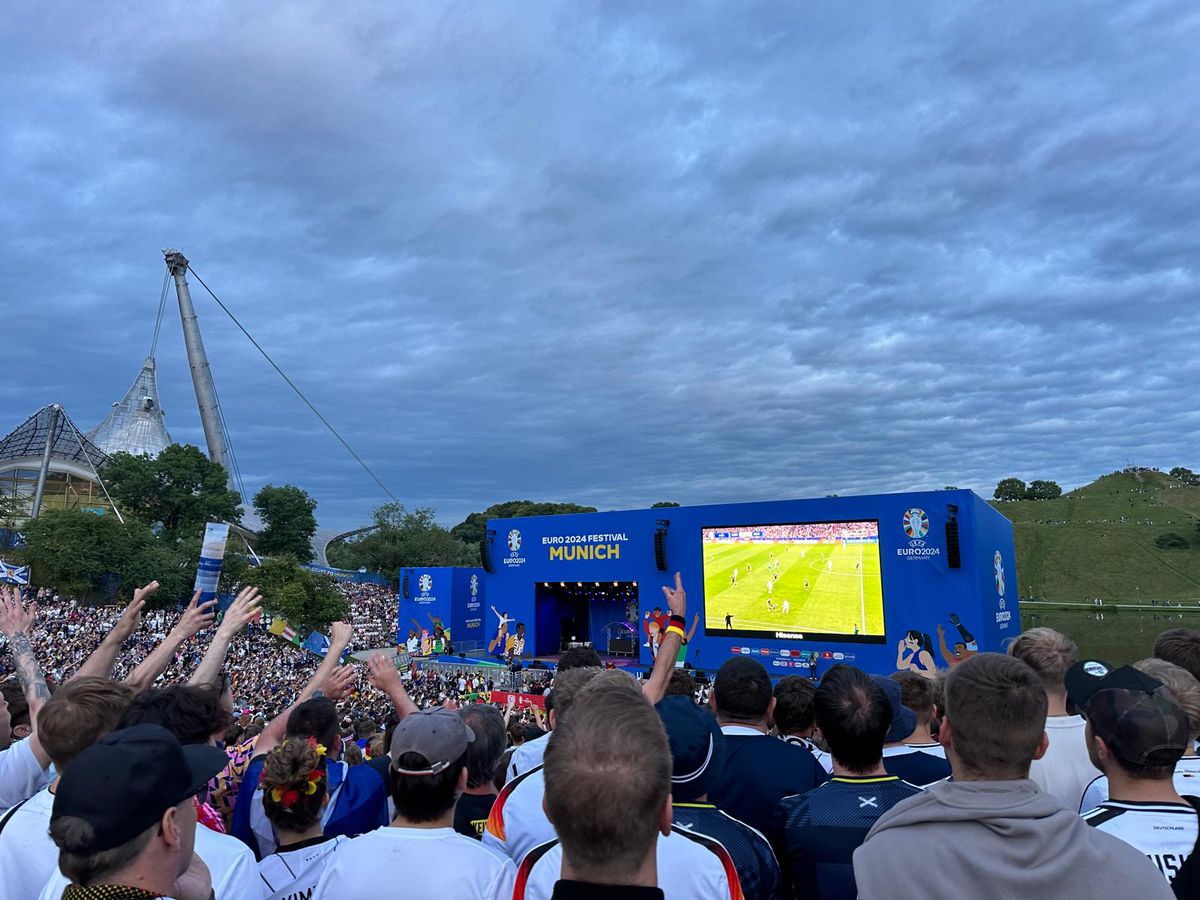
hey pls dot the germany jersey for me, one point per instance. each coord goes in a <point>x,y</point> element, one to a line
<point>690,867</point>
<point>757,868</point>
<point>820,830</point>
<point>1165,832</point>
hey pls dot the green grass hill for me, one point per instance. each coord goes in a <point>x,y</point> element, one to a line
<point>1100,540</point>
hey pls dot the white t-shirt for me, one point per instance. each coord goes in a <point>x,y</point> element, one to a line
<point>27,855</point>
<point>528,756</point>
<point>21,775</point>
<point>415,864</point>
<point>518,822</point>
<point>230,862</point>
<point>1065,770</point>
<point>687,870</point>
<point>1187,784</point>
<point>294,873</point>
<point>1165,832</point>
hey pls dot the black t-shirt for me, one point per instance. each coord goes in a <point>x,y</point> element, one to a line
<point>471,814</point>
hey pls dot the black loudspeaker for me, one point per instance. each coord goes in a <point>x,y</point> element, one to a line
<point>660,544</point>
<point>407,595</point>
<point>485,551</point>
<point>953,554</point>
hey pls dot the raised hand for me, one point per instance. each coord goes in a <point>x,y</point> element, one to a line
<point>196,617</point>
<point>382,673</point>
<point>15,618</point>
<point>246,608</point>
<point>340,683</point>
<point>339,635</point>
<point>677,598</point>
<point>131,617</point>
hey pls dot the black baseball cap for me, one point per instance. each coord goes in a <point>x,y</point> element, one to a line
<point>122,784</point>
<point>697,747</point>
<point>1134,713</point>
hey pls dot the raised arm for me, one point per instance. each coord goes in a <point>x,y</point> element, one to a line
<point>668,650</point>
<point>383,676</point>
<point>942,648</point>
<point>245,608</point>
<point>16,623</point>
<point>332,679</point>
<point>195,619</point>
<point>100,663</point>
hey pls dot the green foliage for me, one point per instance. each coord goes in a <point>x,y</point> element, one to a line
<point>663,504</point>
<point>403,538</point>
<point>1010,489</point>
<point>288,513</point>
<point>180,488</point>
<point>1043,490</point>
<point>1187,476</point>
<point>472,529</point>
<point>301,596</point>
<point>1099,540</point>
<point>89,556</point>
<point>1171,541</point>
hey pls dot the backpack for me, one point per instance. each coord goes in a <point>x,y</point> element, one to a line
<point>1186,883</point>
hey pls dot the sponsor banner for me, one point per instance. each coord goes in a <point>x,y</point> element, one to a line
<point>212,552</point>
<point>520,701</point>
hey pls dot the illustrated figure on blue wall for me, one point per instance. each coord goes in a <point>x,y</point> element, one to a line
<point>413,644</point>
<point>914,654</point>
<point>963,649</point>
<point>655,624</point>
<point>514,647</point>
<point>501,631</point>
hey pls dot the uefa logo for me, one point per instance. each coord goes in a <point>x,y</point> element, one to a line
<point>474,585</point>
<point>998,566</point>
<point>916,523</point>
<point>514,540</point>
<point>425,583</point>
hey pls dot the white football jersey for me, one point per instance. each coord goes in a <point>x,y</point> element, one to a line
<point>1165,832</point>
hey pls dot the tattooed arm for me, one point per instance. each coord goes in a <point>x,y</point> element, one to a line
<point>16,622</point>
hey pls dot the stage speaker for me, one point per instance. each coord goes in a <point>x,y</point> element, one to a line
<point>485,551</point>
<point>407,595</point>
<point>953,551</point>
<point>660,544</point>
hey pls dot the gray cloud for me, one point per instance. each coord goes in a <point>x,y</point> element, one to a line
<point>617,253</point>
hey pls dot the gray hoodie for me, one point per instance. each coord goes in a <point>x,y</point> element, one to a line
<point>1006,840</point>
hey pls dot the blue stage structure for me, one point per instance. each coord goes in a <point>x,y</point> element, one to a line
<point>911,581</point>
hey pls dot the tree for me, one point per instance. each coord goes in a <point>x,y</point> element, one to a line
<point>1187,476</point>
<point>287,512</point>
<point>1011,489</point>
<point>180,489</point>
<point>663,504</point>
<point>1043,490</point>
<point>472,529</point>
<point>96,557</point>
<point>403,538</point>
<point>301,596</point>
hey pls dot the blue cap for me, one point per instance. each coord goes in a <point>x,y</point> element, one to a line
<point>697,747</point>
<point>904,720</point>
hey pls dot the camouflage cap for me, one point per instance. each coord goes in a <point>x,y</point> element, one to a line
<point>1133,713</point>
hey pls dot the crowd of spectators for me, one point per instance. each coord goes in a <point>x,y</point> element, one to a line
<point>165,755</point>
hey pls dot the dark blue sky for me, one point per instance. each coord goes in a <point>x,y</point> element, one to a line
<point>616,253</point>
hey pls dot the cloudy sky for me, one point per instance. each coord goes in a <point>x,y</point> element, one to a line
<point>613,252</point>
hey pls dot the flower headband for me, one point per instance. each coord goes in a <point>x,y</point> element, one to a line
<point>288,797</point>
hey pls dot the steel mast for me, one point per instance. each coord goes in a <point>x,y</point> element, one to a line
<point>206,392</point>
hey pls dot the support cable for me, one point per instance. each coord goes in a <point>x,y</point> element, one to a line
<point>162,304</point>
<point>292,385</point>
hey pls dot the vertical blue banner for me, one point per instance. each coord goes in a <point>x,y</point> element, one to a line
<point>208,573</point>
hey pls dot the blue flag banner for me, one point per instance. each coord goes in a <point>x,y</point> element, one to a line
<point>13,574</point>
<point>316,643</point>
<point>212,552</point>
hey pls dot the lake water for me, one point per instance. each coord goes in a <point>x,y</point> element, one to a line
<point>1116,636</point>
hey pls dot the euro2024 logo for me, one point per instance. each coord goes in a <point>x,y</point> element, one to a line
<point>474,585</point>
<point>425,583</point>
<point>998,566</point>
<point>514,541</point>
<point>916,526</point>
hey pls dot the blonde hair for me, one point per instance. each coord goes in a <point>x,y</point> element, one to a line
<point>294,784</point>
<point>1180,682</point>
<point>1049,653</point>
